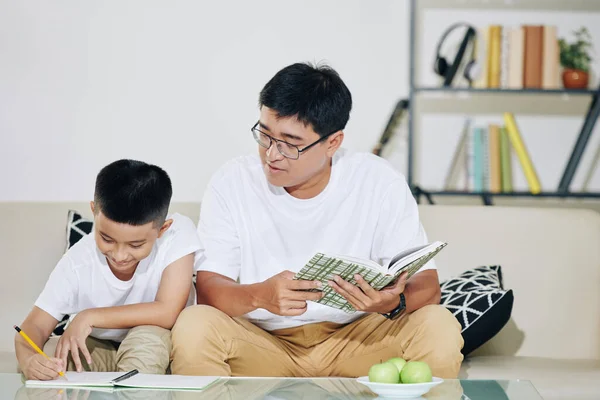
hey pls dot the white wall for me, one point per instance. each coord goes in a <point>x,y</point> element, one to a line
<point>173,82</point>
<point>176,83</point>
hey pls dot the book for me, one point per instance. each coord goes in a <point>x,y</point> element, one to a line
<point>323,267</point>
<point>495,162</point>
<point>516,43</point>
<point>104,380</point>
<point>505,160</point>
<point>533,57</point>
<point>517,141</point>
<point>550,58</point>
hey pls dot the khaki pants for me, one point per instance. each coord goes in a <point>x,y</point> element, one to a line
<point>208,342</point>
<point>145,348</point>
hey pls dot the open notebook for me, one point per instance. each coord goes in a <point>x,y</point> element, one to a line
<point>141,381</point>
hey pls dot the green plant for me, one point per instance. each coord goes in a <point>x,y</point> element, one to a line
<point>576,55</point>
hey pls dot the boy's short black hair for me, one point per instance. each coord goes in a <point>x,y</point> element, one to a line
<point>316,95</point>
<point>133,192</point>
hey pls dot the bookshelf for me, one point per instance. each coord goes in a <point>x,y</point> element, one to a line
<point>475,91</point>
<point>451,93</point>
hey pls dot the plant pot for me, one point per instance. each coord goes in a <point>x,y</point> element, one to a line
<point>575,79</point>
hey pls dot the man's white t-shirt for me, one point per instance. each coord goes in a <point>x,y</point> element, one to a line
<point>251,230</point>
<point>82,278</point>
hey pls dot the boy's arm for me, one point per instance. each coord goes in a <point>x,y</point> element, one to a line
<point>38,326</point>
<point>171,298</point>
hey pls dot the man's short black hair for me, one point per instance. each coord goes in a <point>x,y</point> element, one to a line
<point>315,95</point>
<point>133,192</point>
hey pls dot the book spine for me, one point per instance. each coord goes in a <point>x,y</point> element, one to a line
<point>495,164</point>
<point>550,74</point>
<point>505,156</point>
<point>470,161</point>
<point>494,57</point>
<point>504,51</point>
<point>522,154</point>
<point>515,58</point>
<point>483,40</point>
<point>532,72</point>
<point>485,160</point>
<point>478,159</point>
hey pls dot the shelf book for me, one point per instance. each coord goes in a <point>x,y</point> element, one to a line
<point>487,153</point>
<point>519,57</point>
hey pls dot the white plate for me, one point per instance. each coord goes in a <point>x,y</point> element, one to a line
<point>400,390</point>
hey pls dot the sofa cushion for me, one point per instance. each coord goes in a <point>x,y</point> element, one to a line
<point>77,228</point>
<point>479,302</point>
<point>553,378</point>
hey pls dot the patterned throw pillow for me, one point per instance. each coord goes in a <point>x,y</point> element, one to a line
<point>479,301</point>
<point>77,228</point>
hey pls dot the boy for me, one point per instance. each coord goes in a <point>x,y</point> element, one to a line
<point>127,282</point>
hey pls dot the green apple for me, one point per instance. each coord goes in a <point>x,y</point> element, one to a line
<point>398,362</point>
<point>384,373</point>
<point>415,372</point>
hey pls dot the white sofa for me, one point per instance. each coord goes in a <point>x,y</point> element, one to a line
<point>549,257</point>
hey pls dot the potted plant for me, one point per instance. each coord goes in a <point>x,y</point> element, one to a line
<point>575,59</point>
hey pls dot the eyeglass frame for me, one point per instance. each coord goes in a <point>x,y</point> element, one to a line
<point>271,139</point>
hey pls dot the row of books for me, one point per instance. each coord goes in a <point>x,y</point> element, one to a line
<point>518,57</point>
<point>485,153</point>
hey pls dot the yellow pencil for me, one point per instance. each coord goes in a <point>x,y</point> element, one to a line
<point>35,347</point>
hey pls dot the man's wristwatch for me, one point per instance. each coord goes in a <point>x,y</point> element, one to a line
<point>396,312</point>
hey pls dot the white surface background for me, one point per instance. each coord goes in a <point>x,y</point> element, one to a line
<point>176,83</point>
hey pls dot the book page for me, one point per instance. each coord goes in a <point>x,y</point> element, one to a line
<point>151,381</point>
<point>416,253</point>
<point>97,379</point>
<point>404,254</point>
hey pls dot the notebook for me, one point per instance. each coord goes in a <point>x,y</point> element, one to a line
<point>140,381</point>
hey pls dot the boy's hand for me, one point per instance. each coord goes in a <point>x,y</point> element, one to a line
<point>73,340</point>
<point>40,368</point>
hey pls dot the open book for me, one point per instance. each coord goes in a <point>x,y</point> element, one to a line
<point>140,381</point>
<point>323,267</point>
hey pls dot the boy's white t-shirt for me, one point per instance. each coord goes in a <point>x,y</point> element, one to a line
<point>252,230</point>
<point>82,278</point>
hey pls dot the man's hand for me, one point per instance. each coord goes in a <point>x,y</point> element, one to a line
<point>73,340</point>
<point>365,298</point>
<point>282,295</point>
<point>38,367</point>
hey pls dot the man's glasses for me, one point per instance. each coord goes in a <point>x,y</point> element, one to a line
<point>286,149</point>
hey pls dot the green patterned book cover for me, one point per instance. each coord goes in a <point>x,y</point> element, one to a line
<point>323,267</point>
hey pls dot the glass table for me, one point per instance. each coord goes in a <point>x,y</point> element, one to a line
<point>12,387</point>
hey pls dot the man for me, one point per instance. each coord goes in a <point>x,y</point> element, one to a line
<point>263,218</point>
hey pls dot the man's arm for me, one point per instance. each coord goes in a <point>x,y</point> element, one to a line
<point>171,298</point>
<point>280,294</point>
<point>227,295</point>
<point>421,289</point>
